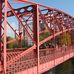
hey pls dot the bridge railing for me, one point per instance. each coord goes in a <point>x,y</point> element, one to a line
<point>30,60</point>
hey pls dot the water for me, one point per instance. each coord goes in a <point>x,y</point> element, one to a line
<point>64,68</point>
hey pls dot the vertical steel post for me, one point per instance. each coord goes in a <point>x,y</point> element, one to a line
<point>20,34</point>
<point>5,23</point>
<point>1,61</point>
<point>36,31</point>
<point>15,33</point>
<point>0,25</point>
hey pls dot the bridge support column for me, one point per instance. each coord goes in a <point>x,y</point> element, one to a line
<point>1,61</point>
<point>36,31</point>
<point>5,23</point>
<point>0,25</point>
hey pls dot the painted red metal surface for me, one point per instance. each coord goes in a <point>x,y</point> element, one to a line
<point>0,25</point>
<point>22,60</point>
<point>5,25</point>
<point>49,56</point>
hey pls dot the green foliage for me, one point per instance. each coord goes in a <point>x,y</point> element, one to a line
<point>16,44</point>
<point>72,37</point>
<point>64,39</point>
<point>24,43</point>
<point>58,39</point>
<point>13,44</point>
<point>44,35</point>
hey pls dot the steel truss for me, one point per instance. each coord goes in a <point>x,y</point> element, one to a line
<point>36,13</point>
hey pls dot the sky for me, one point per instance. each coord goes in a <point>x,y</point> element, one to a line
<point>63,5</point>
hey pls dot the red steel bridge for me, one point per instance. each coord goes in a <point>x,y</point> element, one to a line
<point>36,58</point>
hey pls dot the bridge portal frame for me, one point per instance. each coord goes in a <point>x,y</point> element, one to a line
<point>35,26</point>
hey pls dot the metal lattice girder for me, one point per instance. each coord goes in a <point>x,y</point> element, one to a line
<point>39,14</point>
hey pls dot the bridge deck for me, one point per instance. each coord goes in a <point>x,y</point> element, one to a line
<point>49,58</point>
<point>49,61</point>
